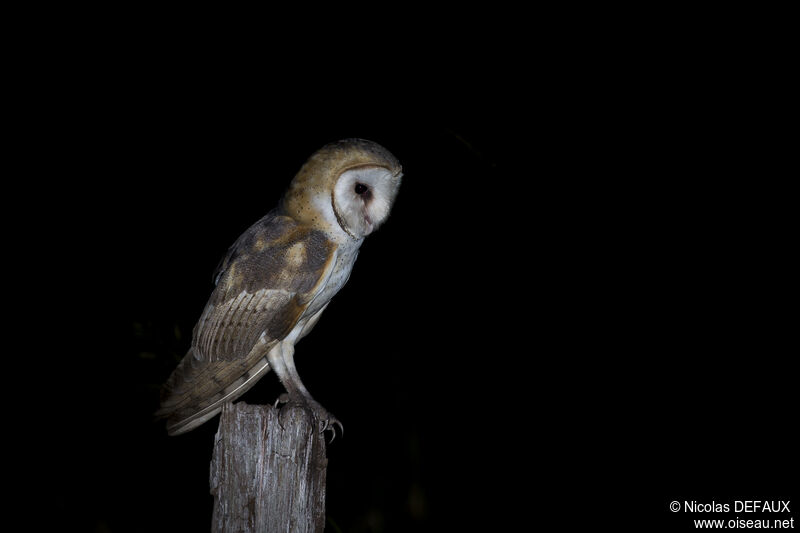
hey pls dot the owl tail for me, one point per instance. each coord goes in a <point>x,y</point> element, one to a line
<point>196,390</point>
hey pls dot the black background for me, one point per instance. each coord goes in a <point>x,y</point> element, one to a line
<point>578,308</point>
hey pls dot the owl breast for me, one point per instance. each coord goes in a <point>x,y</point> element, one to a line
<point>346,255</point>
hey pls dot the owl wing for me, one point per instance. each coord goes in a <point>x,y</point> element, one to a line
<point>265,284</point>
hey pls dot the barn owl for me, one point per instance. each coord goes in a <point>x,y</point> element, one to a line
<point>278,278</point>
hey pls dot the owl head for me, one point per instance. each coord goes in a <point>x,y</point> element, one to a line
<point>346,188</point>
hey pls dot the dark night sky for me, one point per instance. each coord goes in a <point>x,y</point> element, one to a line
<point>575,302</point>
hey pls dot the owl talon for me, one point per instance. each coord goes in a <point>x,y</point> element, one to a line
<point>323,417</point>
<point>283,398</point>
<point>326,420</point>
<point>330,424</point>
<point>332,427</point>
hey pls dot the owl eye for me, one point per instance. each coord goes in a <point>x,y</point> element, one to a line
<point>361,188</point>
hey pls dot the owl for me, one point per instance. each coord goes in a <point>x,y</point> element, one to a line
<point>278,278</point>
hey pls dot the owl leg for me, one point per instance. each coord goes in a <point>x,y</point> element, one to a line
<point>281,359</point>
<point>328,420</point>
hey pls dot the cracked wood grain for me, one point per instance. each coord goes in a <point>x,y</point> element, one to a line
<point>268,470</point>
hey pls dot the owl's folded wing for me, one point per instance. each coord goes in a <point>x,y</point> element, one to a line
<point>267,281</point>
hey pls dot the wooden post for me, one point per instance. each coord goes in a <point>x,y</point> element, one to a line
<point>268,470</point>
